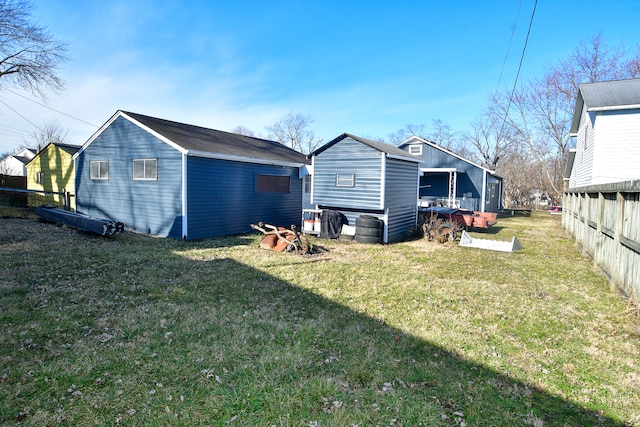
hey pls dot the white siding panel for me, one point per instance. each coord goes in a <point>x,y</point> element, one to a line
<point>617,153</point>
<point>583,163</point>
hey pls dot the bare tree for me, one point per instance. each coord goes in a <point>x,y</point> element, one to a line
<point>48,133</point>
<point>442,134</point>
<point>294,131</point>
<point>409,130</point>
<point>540,111</point>
<point>490,139</point>
<point>29,55</point>
<point>539,117</point>
<point>439,133</point>
<point>242,130</point>
<point>522,175</point>
<point>632,65</point>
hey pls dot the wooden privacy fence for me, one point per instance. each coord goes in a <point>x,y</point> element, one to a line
<point>9,183</point>
<point>605,221</point>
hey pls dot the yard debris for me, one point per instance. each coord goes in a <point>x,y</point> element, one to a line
<point>493,245</point>
<point>280,239</point>
<point>437,229</point>
<point>102,227</point>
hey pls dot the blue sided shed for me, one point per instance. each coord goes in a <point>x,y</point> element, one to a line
<point>183,181</point>
<point>358,176</point>
<point>451,180</point>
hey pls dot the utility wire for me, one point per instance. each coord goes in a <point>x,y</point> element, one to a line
<point>515,83</point>
<point>509,46</point>
<point>46,106</point>
<point>11,108</point>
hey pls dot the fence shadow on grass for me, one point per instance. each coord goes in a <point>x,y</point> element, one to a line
<point>248,347</point>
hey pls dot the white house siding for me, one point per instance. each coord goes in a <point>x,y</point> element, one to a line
<point>12,166</point>
<point>582,170</point>
<point>618,148</point>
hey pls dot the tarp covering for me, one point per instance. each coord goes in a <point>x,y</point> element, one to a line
<point>332,222</point>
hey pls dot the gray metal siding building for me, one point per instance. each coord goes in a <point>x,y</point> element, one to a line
<point>191,182</point>
<point>401,183</point>
<point>447,177</point>
<point>358,176</point>
<point>147,206</point>
<point>348,157</point>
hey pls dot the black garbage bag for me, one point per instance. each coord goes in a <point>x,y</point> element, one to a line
<point>331,224</point>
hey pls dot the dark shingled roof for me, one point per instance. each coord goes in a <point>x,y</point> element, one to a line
<point>68,148</point>
<point>610,95</point>
<point>210,141</point>
<point>22,159</point>
<point>380,146</point>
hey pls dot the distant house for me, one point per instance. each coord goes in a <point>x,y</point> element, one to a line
<point>178,180</point>
<point>52,171</point>
<point>357,176</point>
<point>606,128</point>
<point>16,164</point>
<point>451,180</point>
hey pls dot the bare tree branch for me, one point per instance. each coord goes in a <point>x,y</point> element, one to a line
<point>294,131</point>
<point>29,55</point>
<point>49,132</point>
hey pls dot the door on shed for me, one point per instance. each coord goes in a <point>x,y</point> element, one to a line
<point>491,204</point>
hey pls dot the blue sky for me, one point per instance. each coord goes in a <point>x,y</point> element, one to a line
<point>362,67</point>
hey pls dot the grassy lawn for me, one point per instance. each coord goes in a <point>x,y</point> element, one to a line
<point>134,330</point>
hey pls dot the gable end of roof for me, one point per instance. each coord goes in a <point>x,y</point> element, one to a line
<point>390,150</point>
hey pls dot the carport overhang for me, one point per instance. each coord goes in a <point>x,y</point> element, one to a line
<point>453,181</point>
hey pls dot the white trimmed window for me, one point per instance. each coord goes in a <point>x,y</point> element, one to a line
<point>99,169</point>
<point>39,177</point>
<point>145,169</point>
<point>415,149</point>
<point>345,180</point>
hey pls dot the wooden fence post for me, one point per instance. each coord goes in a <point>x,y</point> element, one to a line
<point>617,275</point>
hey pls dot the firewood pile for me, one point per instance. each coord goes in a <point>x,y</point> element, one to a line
<point>281,239</point>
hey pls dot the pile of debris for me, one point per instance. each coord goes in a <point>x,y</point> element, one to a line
<point>281,239</point>
<point>437,229</point>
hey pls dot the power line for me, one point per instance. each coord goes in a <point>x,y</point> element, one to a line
<point>46,106</point>
<point>12,109</point>
<point>513,30</point>
<point>515,82</point>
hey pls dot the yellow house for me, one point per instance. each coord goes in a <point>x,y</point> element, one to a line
<point>50,173</point>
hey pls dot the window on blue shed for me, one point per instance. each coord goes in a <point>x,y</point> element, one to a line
<point>99,169</point>
<point>415,149</point>
<point>272,184</point>
<point>345,180</point>
<point>306,182</point>
<point>145,169</point>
